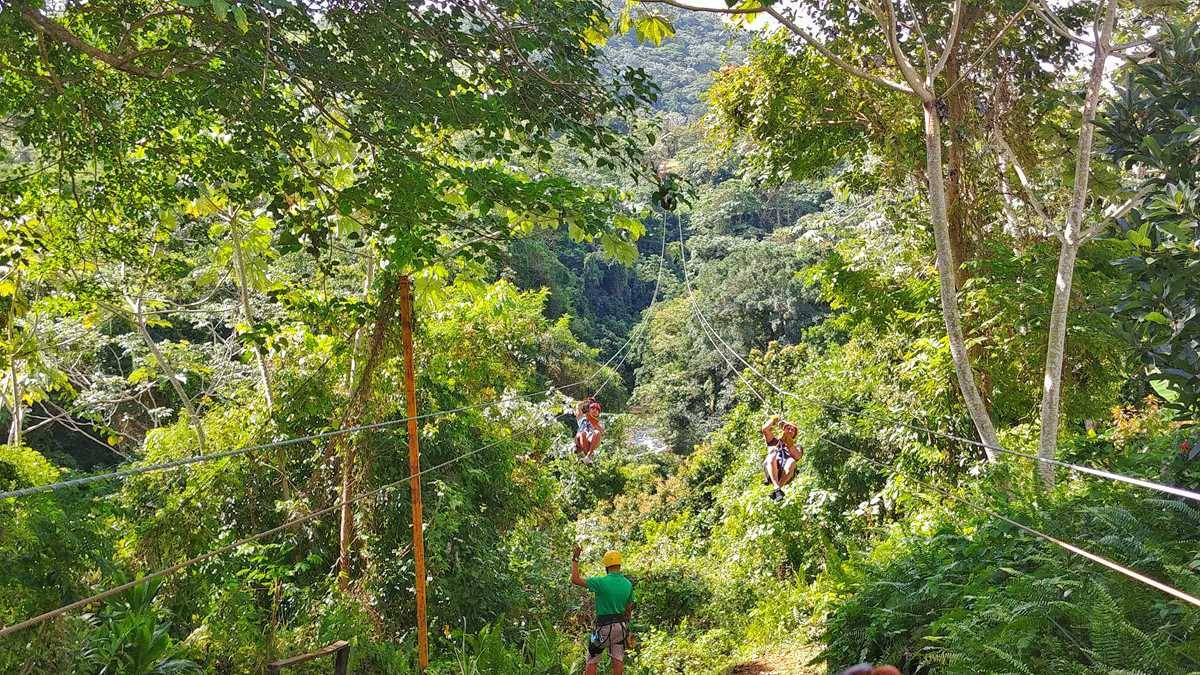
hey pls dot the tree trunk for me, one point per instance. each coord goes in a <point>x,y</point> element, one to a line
<point>959,202</point>
<point>356,343</point>
<point>14,430</point>
<point>248,315</point>
<point>1071,241</point>
<point>946,287</point>
<point>263,372</point>
<point>1055,348</point>
<point>140,321</point>
<point>956,210</point>
<point>385,314</point>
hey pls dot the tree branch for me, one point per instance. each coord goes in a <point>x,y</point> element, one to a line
<point>1087,127</point>
<point>1132,44</point>
<point>1119,212</point>
<point>921,33</point>
<point>834,58</point>
<point>955,29</point>
<point>991,45</point>
<point>892,33</point>
<point>711,10</point>
<point>48,26</point>
<point>1011,158</point>
<point>1043,10</point>
<point>122,62</point>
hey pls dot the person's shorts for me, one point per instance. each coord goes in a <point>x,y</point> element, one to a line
<point>780,459</point>
<point>612,637</point>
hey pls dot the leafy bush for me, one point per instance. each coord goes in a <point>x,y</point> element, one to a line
<point>52,546</point>
<point>133,637</point>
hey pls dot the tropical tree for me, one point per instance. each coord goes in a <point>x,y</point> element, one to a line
<point>934,53</point>
<point>1152,127</point>
<point>420,144</point>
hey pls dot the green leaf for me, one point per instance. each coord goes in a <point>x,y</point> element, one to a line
<point>653,29</point>
<point>139,375</point>
<point>1168,390</point>
<point>625,20</point>
<point>1153,146</point>
<point>597,33</point>
<point>1157,317</point>
<point>220,9</point>
<point>1140,237</point>
<point>239,17</point>
<point>633,226</point>
<point>618,249</point>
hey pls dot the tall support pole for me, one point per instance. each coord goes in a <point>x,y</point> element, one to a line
<point>414,470</point>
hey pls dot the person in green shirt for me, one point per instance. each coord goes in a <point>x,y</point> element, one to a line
<point>614,608</point>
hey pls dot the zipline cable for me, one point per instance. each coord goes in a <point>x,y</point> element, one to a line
<point>175,464</point>
<point>214,553</point>
<point>708,329</point>
<point>1132,574</point>
<point>1116,567</point>
<point>1080,468</point>
<point>1092,471</point>
<point>662,256</point>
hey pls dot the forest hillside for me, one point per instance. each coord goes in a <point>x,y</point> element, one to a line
<point>889,311</point>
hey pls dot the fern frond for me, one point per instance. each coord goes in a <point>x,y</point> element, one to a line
<point>1178,507</point>
<point>1116,517</point>
<point>1104,623</point>
<point>1008,660</point>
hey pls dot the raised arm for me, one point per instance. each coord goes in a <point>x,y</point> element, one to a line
<point>576,578</point>
<point>768,430</point>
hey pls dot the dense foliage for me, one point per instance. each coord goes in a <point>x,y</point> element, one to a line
<point>1153,127</point>
<point>208,209</point>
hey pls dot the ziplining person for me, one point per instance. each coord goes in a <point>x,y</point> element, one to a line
<point>868,669</point>
<point>782,454</point>
<point>614,609</point>
<point>588,429</point>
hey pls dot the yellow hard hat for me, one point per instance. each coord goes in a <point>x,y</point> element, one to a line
<point>612,558</point>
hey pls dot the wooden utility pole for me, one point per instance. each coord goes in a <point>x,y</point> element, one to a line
<point>414,470</point>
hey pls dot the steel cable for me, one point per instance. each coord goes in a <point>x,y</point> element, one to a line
<point>1132,574</point>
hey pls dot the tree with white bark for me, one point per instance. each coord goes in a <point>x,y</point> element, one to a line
<point>913,47</point>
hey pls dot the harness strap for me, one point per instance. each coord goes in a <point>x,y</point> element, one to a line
<point>609,619</point>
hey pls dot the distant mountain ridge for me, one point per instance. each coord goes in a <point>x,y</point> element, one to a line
<point>684,63</point>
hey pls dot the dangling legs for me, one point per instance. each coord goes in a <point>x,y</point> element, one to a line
<point>772,469</point>
<point>789,471</point>
<point>593,442</point>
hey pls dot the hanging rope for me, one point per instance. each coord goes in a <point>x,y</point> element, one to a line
<point>706,326</point>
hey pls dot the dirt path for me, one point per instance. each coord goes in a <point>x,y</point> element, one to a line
<point>779,662</point>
